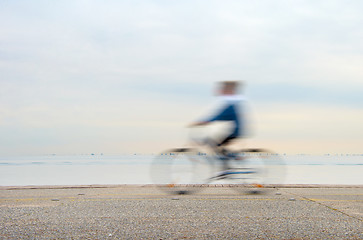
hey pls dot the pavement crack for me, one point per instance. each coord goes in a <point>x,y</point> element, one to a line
<point>324,205</point>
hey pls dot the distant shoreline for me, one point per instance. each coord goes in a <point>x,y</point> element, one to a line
<point>153,185</point>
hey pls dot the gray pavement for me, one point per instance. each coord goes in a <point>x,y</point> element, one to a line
<point>144,212</point>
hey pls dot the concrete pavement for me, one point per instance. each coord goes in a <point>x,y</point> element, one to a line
<point>144,212</point>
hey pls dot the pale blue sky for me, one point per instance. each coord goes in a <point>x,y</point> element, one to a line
<point>128,76</point>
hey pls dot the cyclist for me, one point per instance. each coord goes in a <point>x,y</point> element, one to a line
<point>230,111</point>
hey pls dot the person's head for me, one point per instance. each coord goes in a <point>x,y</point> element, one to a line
<point>229,87</point>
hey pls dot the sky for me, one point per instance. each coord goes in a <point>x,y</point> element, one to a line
<point>120,77</point>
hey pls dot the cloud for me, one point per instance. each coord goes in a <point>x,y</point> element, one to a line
<point>90,66</point>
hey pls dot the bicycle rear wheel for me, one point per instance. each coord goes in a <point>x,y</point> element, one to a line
<point>180,171</point>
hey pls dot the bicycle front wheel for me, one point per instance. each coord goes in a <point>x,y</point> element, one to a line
<point>180,171</point>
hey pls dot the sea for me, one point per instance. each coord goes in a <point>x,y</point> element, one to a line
<point>103,169</point>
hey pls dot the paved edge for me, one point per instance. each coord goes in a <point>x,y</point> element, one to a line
<point>153,185</point>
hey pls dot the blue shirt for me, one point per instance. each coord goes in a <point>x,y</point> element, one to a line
<point>230,111</point>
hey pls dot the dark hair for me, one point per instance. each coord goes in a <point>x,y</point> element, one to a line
<point>234,86</point>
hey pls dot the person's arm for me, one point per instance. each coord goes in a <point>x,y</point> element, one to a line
<point>222,115</point>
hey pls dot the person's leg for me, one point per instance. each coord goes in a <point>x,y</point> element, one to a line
<point>224,155</point>
<point>225,141</point>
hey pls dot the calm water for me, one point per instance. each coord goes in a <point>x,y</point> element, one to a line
<point>134,169</point>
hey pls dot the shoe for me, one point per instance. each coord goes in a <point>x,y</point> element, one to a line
<point>222,174</point>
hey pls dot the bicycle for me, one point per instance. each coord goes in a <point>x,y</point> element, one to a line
<point>188,170</point>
